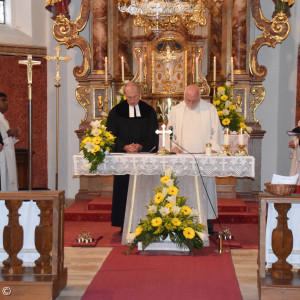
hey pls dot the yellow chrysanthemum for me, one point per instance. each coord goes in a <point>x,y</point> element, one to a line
<point>164,179</point>
<point>220,113</point>
<point>169,206</point>
<point>224,97</point>
<point>189,233</point>
<point>216,102</point>
<point>158,198</point>
<point>232,107</point>
<point>173,190</point>
<point>97,148</point>
<point>186,210</point>
<point>97,140</point>
<point>176,222</point>
<point>243,125</point>
<point>125,97</point>
<point>138,230</point>
<point>156,222</point>
<point>226,122</point>
<point>221,89</point>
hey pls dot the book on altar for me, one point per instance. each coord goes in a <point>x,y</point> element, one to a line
<point>278,179</point>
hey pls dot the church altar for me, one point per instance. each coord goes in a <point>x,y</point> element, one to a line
<point>145,168</point>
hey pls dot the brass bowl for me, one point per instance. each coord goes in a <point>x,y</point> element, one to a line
<point>280,189</point>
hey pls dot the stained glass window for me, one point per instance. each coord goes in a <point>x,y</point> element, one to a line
<point>2,11</point>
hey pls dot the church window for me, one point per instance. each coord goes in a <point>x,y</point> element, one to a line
<point>2,11</point>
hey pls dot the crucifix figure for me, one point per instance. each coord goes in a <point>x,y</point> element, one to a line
<point>163,132</point>
<point>29,63</point>
<point>168,59</point>
<point>57,78</point>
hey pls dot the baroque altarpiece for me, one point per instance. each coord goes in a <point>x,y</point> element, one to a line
<point>167,56</point>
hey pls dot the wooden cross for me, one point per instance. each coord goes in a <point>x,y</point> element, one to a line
<point>57,58</point>
<point>30,63</point>
<point>163,132</point>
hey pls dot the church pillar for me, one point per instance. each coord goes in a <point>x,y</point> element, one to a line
<point>239,36</point>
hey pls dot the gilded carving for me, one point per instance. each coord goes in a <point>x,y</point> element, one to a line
<point>66,33</point>
<point>204,87</point>
<point>81,93</point>
<point>274,32</point>
<point>259,92</point>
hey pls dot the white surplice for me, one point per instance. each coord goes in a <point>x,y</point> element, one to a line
<point>8,165</point>
<point>192,130</point>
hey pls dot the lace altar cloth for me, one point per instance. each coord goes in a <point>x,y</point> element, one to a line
<point>182,164</point>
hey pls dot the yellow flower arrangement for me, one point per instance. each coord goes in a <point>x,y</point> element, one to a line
<point>96,143</point>
<point>227,110</point>
<point>168,216</point>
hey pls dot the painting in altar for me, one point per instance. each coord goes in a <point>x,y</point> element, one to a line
<point>169,68</point>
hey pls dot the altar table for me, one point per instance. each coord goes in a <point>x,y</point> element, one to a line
<point>149,166</point>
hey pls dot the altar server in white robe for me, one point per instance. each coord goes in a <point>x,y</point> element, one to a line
<point>8,166</point>
<point>195,123</point>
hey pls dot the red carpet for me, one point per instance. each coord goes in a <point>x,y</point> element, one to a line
<point>206,275</point>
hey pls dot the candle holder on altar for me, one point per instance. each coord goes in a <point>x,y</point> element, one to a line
<point>226,151</point>
<point>214,88</point>
<point>105,106</point>
<point>241,151</point>
<point>224,234</point>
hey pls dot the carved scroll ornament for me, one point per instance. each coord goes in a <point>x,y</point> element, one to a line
<point>274,32</point>
<point>66,33</point>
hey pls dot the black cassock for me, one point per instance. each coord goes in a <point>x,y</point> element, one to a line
<point>138,130</point>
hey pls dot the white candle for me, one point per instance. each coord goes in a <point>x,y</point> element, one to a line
<point>122,65</point>
<point>141,69</point>
<point>197,70</point>
<point>106,76</point>
<point>226,137</point>
<point>215,69</point>
<point>231,68</point>
<point>241,137</point>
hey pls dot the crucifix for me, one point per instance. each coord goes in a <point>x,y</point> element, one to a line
<point>57,78</point>
<point>29,63</point>
<point>163,132</point>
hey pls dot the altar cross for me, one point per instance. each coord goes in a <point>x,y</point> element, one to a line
<point>163,132</point>
<point>57,58</point>
<point>29,63</point>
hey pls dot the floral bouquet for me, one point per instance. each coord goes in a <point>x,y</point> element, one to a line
<point>168,216</point>
<point>121,96</point>
<point>227,110</point>
<point>96,143</point>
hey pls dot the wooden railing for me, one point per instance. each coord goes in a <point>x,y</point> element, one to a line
<point>49,276</point>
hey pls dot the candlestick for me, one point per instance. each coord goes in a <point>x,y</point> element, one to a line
<point>241,137</point>
<point>122,66</point>
<point>231,68</point>
<point>226,137</point>
<point>106,76</point>
<point>141,69</point>
<point>215,69</point>
<point>197,69</point>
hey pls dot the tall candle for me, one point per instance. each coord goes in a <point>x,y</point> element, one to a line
<point>215,69</point>
<point>197,69</point>
<point>226,137</point>
<point>122,65</point>
<point>241,137</point>
<point>106,75</point>
<point>141,69</point>
<point>231,69</point>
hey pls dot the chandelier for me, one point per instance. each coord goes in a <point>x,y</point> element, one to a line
<point>156,15</point>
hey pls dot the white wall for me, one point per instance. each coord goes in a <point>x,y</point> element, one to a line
<point>70,112</point>
<point>277,113</point>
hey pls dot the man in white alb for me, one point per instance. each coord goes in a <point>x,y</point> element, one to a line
<point>8,166</point>
<point>195,123</point>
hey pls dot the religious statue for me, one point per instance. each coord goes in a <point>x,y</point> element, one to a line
<point>58,7</point>
<point>100,102</point>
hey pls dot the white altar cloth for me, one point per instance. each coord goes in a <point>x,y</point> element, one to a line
<point>29,219</point>
<point>190,185</point>
<point>293,224</point>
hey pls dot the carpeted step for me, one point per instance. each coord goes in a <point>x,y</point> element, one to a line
<point>100,203</point>
<point>78,212</point>
<point>242,218</point>
<point>231,205</point>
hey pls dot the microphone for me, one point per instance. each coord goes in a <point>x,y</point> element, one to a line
<point>152,149</point>
<point>171,137</point>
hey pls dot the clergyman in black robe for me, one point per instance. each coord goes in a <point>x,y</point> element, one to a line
<point>133,122</point>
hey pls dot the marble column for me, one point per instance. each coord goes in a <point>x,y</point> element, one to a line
<point>99,36</point>
<point>239,36</point>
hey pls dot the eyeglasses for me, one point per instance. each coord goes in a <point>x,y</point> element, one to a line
<point>4,99</point>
